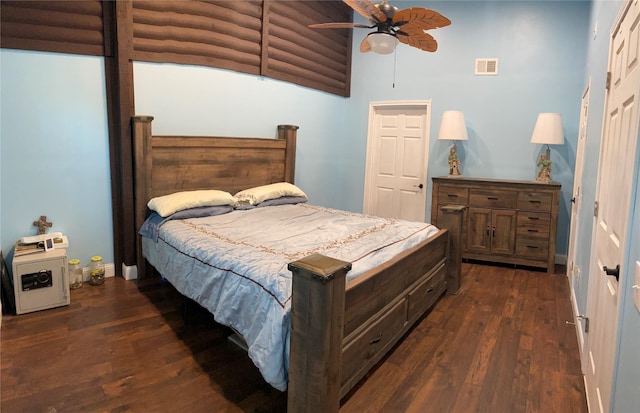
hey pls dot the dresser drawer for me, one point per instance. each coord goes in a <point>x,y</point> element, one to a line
<point>532,247</point>
<point>453,195</point>
<point>534,224</point>
<point>492,198</point>
<point>535,201</point>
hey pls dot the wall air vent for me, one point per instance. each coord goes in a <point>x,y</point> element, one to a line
<point>486,67</point>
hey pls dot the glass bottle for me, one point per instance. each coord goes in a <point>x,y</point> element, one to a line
<point>75,274</point>
<point>96,271</point>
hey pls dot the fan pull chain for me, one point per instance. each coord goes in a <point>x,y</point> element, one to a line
<point>395,55</point>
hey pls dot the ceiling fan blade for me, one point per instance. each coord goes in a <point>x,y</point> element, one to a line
<point>338,26</point>
<point>423,41</point>
<point>416,20</point>
<point>365,46</point>
<point>367,10</point>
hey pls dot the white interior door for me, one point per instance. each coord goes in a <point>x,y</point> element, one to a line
<point>573,270</point>
<point>397,154</point>
<point>617,160</point>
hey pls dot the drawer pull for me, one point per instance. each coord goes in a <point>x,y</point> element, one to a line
<point>377,339</point>
<point>452,195</point>
<point>532,246</point>
<point>534,201</point>
<point>532,230</point>
<point>430,290</point>
<point>492,198</point>
<point>534,218</point>
<point>487,230</point>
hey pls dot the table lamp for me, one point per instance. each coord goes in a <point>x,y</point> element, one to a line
<point>454,129</point>
<point>548,131</point>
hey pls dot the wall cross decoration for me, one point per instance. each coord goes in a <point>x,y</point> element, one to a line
<point>42,224</point>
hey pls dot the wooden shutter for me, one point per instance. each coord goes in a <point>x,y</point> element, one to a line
<point>225,34</point>
<point>54,26</point>
<point>261,37</point>
<point>317,58</point>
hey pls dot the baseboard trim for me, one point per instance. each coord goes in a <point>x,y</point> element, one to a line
<point>561,259</point>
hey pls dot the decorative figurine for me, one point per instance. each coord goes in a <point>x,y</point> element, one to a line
<point>454,162</point>
<point>544,173</point>
<point>42,224</point>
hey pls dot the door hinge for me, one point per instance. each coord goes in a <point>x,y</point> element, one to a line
<point>608,82</point>
<point>595,209</point>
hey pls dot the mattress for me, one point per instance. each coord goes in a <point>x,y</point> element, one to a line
<point>235,265</point>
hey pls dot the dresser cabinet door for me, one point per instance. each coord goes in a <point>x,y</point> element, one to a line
<point>492,231</point>
<point>503,232</point>
<point>479,230</point>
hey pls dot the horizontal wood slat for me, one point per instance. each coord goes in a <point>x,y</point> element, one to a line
<point>196,156</point>
<point>220,142</point>
<point>169,180</point>
<point>298,54</point>
<point>292,73</point>
<point>224,34</point>
<point>58,26</point>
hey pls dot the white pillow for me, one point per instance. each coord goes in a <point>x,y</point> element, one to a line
<point>178,201</point>
<point>262,193</point>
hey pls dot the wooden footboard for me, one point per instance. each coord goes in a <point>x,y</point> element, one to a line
<point>340,330</point>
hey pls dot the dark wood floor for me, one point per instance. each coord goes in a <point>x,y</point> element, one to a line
<point>500,345</point>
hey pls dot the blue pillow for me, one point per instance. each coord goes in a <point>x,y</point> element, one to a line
<point>152,224</point>
<point>284,200</point>
<point>199,212</point>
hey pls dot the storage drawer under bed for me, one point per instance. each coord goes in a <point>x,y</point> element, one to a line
<point>368,347</point>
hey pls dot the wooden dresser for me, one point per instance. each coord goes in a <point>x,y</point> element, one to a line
<point>513,222</point>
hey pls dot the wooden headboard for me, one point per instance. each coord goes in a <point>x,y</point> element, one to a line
<point>167,164</point>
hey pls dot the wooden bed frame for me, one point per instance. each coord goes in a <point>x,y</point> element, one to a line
<point>339,329</point>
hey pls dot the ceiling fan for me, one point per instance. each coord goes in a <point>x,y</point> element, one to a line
<point>392,26</point>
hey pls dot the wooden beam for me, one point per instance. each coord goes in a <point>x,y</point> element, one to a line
<point>120,99</point>
<point>451,220</point>
<point>289,133</point>
<point>141,126</point>
<point>317,318</point>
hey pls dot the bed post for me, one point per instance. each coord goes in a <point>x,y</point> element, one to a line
<point>289,133</point>
<point>451,219</point>
<point>141,128</point>
<point>317,323</point>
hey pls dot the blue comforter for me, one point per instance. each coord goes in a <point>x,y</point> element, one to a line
<point>235,265</point>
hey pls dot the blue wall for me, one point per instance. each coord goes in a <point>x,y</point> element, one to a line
<point>55,155</point>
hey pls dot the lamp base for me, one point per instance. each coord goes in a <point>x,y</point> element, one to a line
<point>544,163</point>
<point>454,162</point>
<point>455,173</point>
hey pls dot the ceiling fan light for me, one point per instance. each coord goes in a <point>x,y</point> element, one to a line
<point>382,43</point>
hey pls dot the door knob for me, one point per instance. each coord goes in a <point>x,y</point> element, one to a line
<point>419,186</point>
<point>573,200</point>
<point>614,272</point>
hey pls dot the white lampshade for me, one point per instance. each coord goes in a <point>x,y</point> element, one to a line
<point>382,43</point>
<point>453,127</point>
<point>548,129</point>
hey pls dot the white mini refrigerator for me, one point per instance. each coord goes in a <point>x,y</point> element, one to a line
<point>40,281</point>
